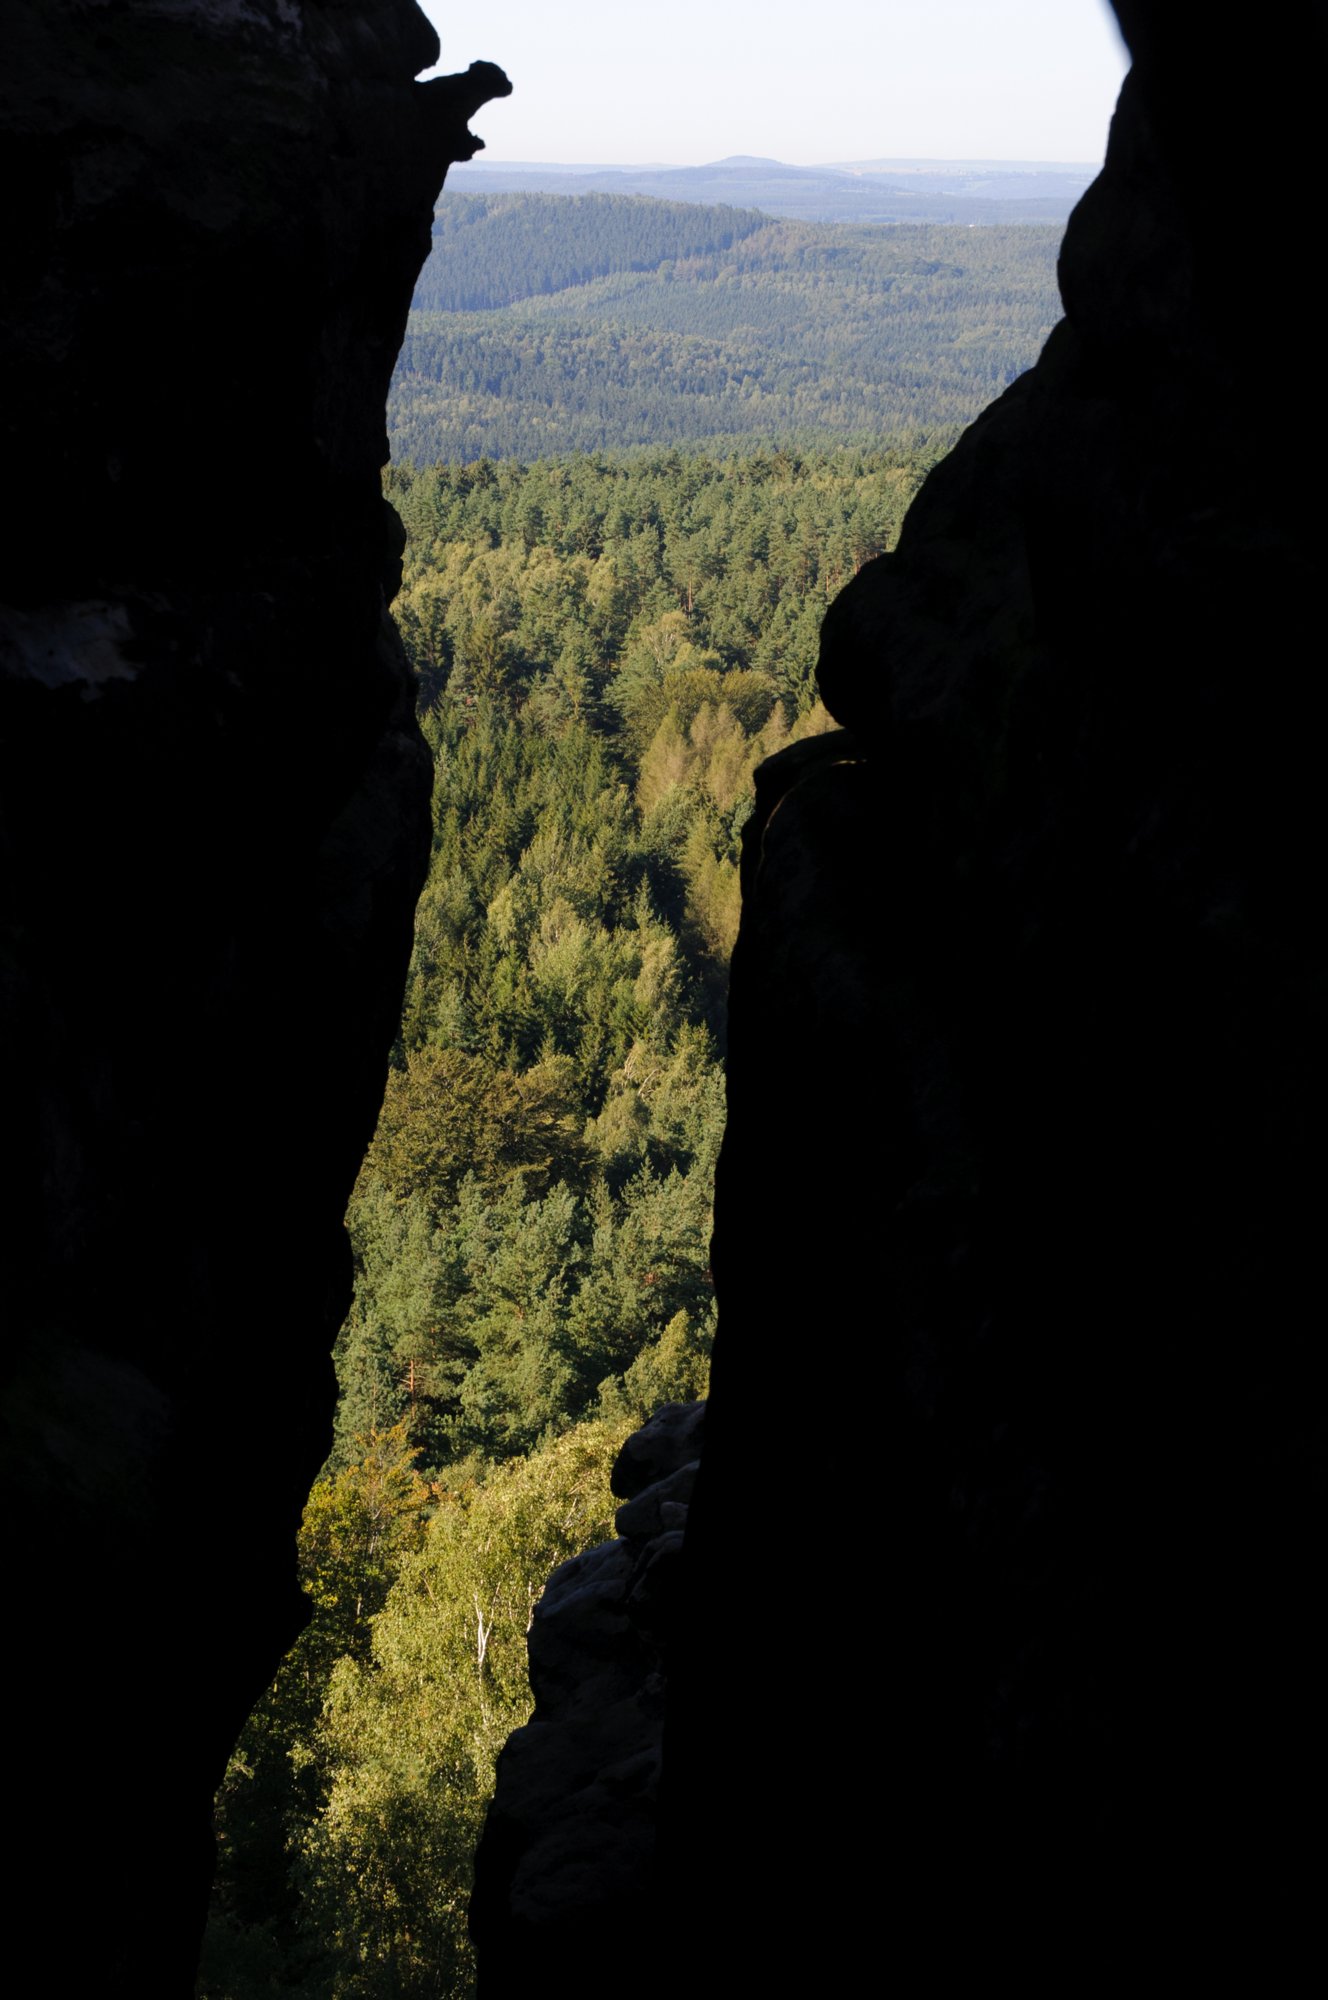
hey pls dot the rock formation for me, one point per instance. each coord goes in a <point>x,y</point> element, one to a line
<point>998,1642</point>
<point>570,1843</point>
<point>214,823</point>
<point>999,1648</point>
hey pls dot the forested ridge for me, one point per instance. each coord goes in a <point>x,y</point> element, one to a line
<point>492,250</point>
<point>606,647</point>
<point>613,321</point>
<point>973,192</point>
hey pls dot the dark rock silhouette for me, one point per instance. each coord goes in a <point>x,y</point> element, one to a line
<point>1000,1644</point>
<point>570,1844</point>
<point>1019,1276</point>
<point>214,824</point>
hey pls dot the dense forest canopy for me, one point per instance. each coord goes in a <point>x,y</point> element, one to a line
<point>606,647</point>
<point>492,250</point>
<point>545,323</point>
<point>607,643</point>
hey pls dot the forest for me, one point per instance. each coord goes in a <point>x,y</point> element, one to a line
<point>608,637</point>
<point>606,647</point>
<point>494,250</point>
<point>546,323</point>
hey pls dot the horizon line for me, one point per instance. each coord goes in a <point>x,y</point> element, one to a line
<point>771,159</point>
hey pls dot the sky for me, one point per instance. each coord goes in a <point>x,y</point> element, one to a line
<point>806,81</point>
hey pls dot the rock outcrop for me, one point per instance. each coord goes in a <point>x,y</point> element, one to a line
<point>214,824</point>
<point>570,1843</point>
<point>1019,1277</point>
<point>1079,1434</point>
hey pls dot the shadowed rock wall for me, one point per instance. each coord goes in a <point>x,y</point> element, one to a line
<point>1000,1647</point>
<point>1068,1480</point>
<point>214,823</point>
<point>564,1875</point>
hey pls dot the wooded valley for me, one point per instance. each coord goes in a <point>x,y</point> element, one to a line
<point>607,643</point>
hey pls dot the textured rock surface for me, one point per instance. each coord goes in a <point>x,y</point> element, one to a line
<point>214,820</point>
<point>564,1875</point>
<point>1019,1283</point>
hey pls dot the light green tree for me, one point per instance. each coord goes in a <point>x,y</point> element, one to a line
<point>408,1737</point>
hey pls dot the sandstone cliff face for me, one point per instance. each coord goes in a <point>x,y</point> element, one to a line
<point>1016,1659</point>
<point>214,822</point>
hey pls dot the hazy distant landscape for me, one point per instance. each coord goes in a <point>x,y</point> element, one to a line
<point>548,322</point>
<point>959,191</point>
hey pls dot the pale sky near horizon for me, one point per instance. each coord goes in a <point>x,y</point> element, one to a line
<point>833,80</point>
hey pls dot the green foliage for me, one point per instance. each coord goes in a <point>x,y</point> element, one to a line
<point>534,1212</point>
<point>617,587</point>
<point>554,323</point>
<point>359,1525</point>
<point>606,649</point>
<point>408,1737</point>
<point>675,1369</point>
<point>350,1813</point>
<point>491,250</point>
<point>501,1315</point>
<point>448,1113</point>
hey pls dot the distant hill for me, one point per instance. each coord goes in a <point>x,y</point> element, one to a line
<point>547,323</point>
<point>961,191</point>
<point>493,250</point>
